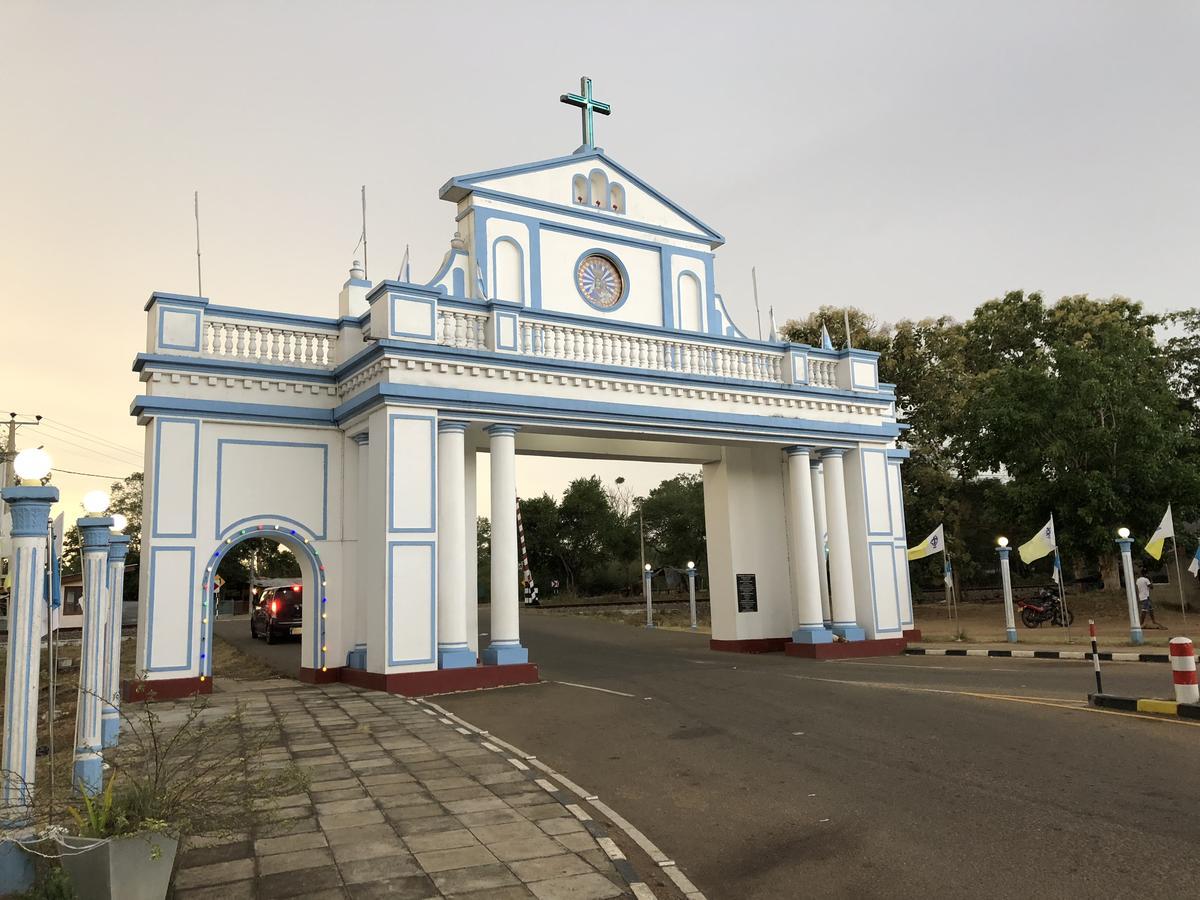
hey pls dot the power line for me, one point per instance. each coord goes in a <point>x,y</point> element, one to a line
<point>55,423</point>
<point>93,447</point>
<point>90,474</point>
<point>93,451</point>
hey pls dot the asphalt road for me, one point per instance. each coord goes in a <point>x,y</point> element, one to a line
<point>770,777</point>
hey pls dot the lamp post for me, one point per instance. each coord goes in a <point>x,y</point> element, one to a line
<point>29,507</point>
<point>95,535</point>
<point>1125,542</point>
<point>646,588</point>
<point>1010,622</point>
<point>691,572</point>
<point>110,720</point>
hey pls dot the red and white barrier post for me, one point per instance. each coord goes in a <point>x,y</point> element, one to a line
<point>1183,671</point>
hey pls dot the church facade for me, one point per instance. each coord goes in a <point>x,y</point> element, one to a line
<point>575,314</point>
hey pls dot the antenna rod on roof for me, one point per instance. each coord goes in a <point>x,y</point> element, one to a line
<point>366,271</point>
<point>199,274</point>
<point>757,311</point>
<point>846,317</point>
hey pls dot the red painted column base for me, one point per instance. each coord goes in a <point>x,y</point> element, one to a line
<point>419,684</point>
<point>912,635</point>
<point>752,645</point>
<point>138,691</point>
<point>848,649</point>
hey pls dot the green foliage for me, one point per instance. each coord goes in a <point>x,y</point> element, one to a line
<point>125,497</point>
<point>1087,409</point>
<point>51,882</point>
<point>673,514</point>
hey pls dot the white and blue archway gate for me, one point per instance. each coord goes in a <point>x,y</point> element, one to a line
<point>357,437</point>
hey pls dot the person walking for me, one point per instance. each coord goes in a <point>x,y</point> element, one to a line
<point>1144,604</point>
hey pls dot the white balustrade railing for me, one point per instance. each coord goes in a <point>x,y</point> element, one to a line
<point>260,342</point>
<point>628,350</point>
<point>465,330</point>
<point>822,372</point>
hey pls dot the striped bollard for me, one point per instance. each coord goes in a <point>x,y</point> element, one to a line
<point>1095,655</point>
<point>1183,670</point>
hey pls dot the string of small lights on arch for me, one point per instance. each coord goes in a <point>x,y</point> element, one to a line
<point>214,563</point>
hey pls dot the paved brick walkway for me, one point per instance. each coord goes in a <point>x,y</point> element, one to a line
<point>402,804</point>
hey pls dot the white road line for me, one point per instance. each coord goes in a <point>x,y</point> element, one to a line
<point>591,687</point>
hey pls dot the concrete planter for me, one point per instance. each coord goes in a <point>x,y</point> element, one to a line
<point>131,867</point>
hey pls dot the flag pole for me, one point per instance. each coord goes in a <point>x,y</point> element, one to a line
<point>946,582</point>
<point>1062,593</point>
<point>1179,578</point>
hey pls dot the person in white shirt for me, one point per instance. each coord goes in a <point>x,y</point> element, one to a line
<point>1144,604</point>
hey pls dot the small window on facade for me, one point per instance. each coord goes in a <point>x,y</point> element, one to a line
<point>599,183</point>
<point>617,198</point>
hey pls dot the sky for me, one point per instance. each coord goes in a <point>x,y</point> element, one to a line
<point>912,159</point>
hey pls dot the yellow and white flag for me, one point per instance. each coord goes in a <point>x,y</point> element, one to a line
<point>1042,543</point>
<point>935,543</point>
<point>1166,529</point>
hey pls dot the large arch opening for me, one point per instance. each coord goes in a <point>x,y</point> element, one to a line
<point>278,596</point>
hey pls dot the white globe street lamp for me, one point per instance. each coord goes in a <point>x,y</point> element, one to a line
<point>32,464</point>
<point>1002,541</point>
<point>1123,533</point>
<point>691,574</point>
<point>120,522</point>
<point>96,502</point>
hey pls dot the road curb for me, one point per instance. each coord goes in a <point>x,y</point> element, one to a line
<point>525,762</point>
<point>1072,655</point>
<point>1146,705</point>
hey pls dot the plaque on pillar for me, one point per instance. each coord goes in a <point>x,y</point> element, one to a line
<point>747,593</point>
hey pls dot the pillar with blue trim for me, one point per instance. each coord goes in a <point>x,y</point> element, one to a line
<point>802,538</point>
<point>453,651</point>
<point>29,508</point>
<point>95,535</point>
<point>1135,620</point>
<point>505,647</point>
<point>110,719</point>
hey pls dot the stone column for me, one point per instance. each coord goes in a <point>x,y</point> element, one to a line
<point>505,646</point>
<point>453,650</point>
<point>841,570</point>
<point>357,657</point>
<point>110,718</point>
<point>88,774</point>
<point>818,494</point>
<point>29,508</point>
<point>805,568</point>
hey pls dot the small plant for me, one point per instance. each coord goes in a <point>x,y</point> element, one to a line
<point>94,820</point>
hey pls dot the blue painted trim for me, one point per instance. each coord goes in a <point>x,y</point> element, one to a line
<point>391,603</point>
<point>616,261</point>
<point>854,382</point>
<point>505,239</point>
<point>611,415</point>
<point>678,304</point>
<point>195,314</point>
<point>264,315</point>
<point>457,188</point>
<point>887,487</point>
<point>155,532</point>
<point>891,555</point>
<point>218,409</point>
<point>153,598</point>
<point>448,263</point>
<point>719,303</point>
<point>849,632</point>
<point>220,531</point>
<point>393,331</point>
<point>830,452</point>
<point>456,658</point>
<point>501,429</point>
<point>431,481</point>
<point>151,362</point>
<point>178,299</point>
<point>812,634</point>
<point>898,453</point>
<point>503,654</point>
<point>451,425</point>
<point>1003,552</point>
<point>497,318</point>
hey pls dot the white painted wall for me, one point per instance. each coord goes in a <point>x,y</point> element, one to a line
<point>745,522</point>
<point>559,253</point>
<point>877,597</point>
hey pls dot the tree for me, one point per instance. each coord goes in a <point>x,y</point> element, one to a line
<point>673,514</point>
<point>125,497</point>
<point>483,546</point>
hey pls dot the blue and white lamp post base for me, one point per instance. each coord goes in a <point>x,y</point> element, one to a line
<point>1135,621</point>
<point>1010,622</point>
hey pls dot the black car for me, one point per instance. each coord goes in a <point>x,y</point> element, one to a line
<point>278,613</point>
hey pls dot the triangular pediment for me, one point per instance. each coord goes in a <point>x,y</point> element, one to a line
<point>587,183</point>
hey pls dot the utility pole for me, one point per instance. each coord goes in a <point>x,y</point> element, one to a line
<point>7,475</point>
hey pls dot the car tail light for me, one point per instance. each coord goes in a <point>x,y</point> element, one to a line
<point>274,607</point>
<point>297,587</point>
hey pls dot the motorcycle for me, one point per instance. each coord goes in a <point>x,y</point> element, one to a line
<point>1046,607</point>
